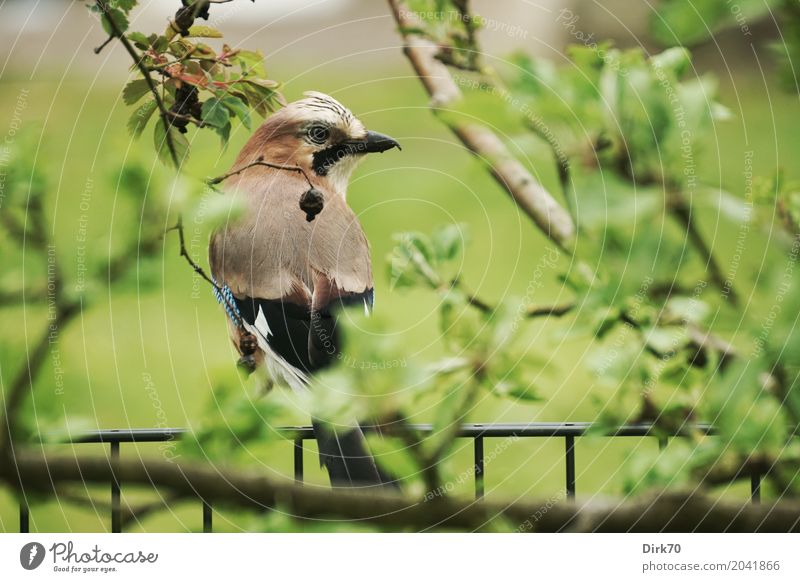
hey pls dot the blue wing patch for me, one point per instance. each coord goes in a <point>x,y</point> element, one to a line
<point>225,297</point>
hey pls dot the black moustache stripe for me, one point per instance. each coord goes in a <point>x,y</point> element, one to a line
<point>325,159</point>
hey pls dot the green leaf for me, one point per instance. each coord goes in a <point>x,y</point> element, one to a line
<point>134,91</point>
<point>239,108</point>
<point>732,207</point>
<point>517,391</point>
<point>445,414</point>
<point>393,456</point>
<point>251,63</point>
<point>181,48</point>
<point>263,83</point>
<point>224,133</point>
<point>124,5</point>
<point>666,340</point>
<point>461,326</point>
<point>681,22</point>
<point>160,43</point>
<point>139,40</point>
<point>668,468</point>
<point>412,261</point>
<point>258,98</point>
<point>688,309</point>
<point>449,241</point>
<point>748,418</point>
<point>141,116</point>
<point>201,31</point>
<point>676,60</point>
<point>179,143</point>
<point>117,16</point>
<point>215,114</point>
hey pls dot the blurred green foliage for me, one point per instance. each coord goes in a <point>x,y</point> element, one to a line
<point>692,23</point>
<point>678,22</point>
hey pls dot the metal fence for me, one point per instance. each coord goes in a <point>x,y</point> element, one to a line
<point>569,431</point>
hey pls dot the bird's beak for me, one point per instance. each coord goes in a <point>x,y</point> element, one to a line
<point>375,142</point>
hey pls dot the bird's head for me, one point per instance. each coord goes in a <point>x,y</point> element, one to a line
<point>320,135</point>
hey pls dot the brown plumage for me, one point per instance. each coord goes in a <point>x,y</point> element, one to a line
<point>287,275</point>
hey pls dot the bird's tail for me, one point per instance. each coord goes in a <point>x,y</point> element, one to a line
<point>343,452</point>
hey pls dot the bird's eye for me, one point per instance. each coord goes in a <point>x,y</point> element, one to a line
<point>318,134</point>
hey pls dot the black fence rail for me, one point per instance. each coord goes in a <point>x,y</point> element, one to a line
<point>569,431</point>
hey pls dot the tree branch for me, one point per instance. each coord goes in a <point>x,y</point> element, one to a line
<point>512,175</point>
<point>533,311</point>
<point>683,214</point>
<point>138,62</point>
<point>64,309</point>
<point>27,295</point>
<point>219,485</point>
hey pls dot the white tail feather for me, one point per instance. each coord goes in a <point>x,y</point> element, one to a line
<point>279,369</point>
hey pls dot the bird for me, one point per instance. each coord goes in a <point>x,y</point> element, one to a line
<point>296,255</point>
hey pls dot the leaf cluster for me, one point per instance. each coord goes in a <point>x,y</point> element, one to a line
<point>185,80</point>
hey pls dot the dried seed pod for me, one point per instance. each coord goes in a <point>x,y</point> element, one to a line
<point>312,203</point>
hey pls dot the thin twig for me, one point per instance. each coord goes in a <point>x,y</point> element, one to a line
<point>104,44</point>
<point>682,212</point>
<point>260,162</point>
<point>139,62</point>
<point>562,164</point>
<point>185,254</point>
<point>787,220</point>
<point>556,310</point>
<point>232,309</point>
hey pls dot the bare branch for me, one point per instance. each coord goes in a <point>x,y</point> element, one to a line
<point>221,485</point>
<point>533,311</point>
<point>26,377</point>
<point>556,310</point>
<point>232,309</point>
<point>682,212</point>
<point>260,162</point>
<point>512,175</point>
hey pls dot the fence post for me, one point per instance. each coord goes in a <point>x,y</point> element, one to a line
<point>478,467</point>
<point>755,487</point>
<point>24,517</point>
<point>207,525</point>
<point>298,460</point>
<point>569,442</point>
<point>116,517</point>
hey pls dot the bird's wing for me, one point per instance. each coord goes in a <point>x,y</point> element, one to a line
<point>288,275</point>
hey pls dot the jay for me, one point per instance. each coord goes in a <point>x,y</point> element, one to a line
<point>283,274</point>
